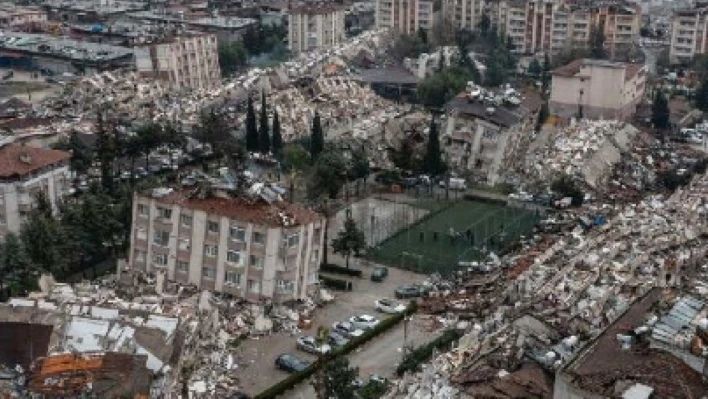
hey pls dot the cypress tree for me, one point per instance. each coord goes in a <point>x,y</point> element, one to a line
<point>263,133</point>
<point>433,163</point>
<point>277,144</point>
<point>317,138</point>
<point>251,129</point>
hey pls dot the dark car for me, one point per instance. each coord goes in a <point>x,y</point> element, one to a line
<point>336,340</point>
<point>290,363</point>
<point>379,273</point>
<point>410,291</point>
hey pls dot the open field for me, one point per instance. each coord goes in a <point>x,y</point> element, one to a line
<point>463,231</point>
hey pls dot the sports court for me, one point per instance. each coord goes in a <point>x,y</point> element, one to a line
<point>463,231</point>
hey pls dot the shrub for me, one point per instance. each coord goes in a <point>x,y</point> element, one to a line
<point>413,360</point>
<point>336,284</point>
<point>336,269</point>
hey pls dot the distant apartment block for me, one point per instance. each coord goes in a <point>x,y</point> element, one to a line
<point>689,34</point>
<point>405,16</point>
<point>13,16</point>
<point>24,172</point>
<point>184,62</point>
<point>539,26</point>
<point>241,246</point>
<point>604,89</point>
<point>315,26</point>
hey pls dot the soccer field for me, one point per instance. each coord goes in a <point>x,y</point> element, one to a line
<point>463,231</point>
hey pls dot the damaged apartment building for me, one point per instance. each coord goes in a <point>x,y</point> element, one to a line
<point>484,130</point>
<point>249,245</point>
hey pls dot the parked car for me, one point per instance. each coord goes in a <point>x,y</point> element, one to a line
<point>364,321</point>
<point>336,340</point>
<point>378,379</point>
<point>347,329</point>
<point>290,363</point>
<point>390,306</point>
<point>379,273</point>
<point>309,344</point>
<point>456,183</point>
<point>410,291</point>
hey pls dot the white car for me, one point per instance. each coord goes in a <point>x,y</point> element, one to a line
<point>347,329</point>
<point>364,321</point>
<point>309,344</point>
<point>389,306</point>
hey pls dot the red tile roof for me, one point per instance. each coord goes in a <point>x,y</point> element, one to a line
<point>17,160</point>
<point>244,209</point>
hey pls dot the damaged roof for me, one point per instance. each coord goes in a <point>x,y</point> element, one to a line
<point>17,160</point>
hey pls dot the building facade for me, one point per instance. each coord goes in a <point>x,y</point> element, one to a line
<point>24,172</point>
<point>12,16</point>
<point>603,89</point>
<point>184,62</point>
<point>405,16</point>
<point>315,26</point>
<point>689,34</point>
<point>240,246</point>
<point>543,26</point>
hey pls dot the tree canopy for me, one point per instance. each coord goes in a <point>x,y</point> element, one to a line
<point>316,138</point>
<point>660,111</point>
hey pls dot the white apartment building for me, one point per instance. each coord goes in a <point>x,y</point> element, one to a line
<point>405,16</point>
<point>315,26</point>
<point>24,171</point>
<point>550,26</point>
<point>604,89</point>
<point>183,62</point>
<point>689,34</point>
<point>237,245</point>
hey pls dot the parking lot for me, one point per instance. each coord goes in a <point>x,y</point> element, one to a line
<point>256,357</point>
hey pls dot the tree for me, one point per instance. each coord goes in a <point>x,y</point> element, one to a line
<point>360,166</point>
<point>19,274</point>
<point>277,144</point>
<point>251,128</point>
<point>433,163</point>
<point>150,136</point>
<point>328,175</point>
<point>317,138</point>
<point>566,187</point>
<point>350,241</point>
<point>264,130</point>
<point>339,379</point>
<point>484,24</point>
<point>535,68</point>
<point>543,114</point>
<point>496,71</point>
<point>597,44</point>
<point>295,160</point>
<point>105,151</point>
<point>660,111</point>
<point>232,57</point>
<point>546,78</point>
<point>701,99</point>
<point>80,153</point>
<point>215,132</point>
<point>43,238</point>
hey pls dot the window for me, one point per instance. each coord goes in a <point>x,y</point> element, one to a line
<point>294,240</point>
<point>143,209</point>
<point>233,256</point>
<point>312,278</point>
<point>258,238</point>
<point>2,219</point>
<point>233,278</point>
<point>186,220</point>
<point>161,238</point>
<point>315,256</point>
<point>212,227</point>
<point>164,213</point>
<point>140,256</point>
<point>254,286</point>
<point>283,285</point>
<point>141,234</point>
<point>238,233</point>
<point>211,250</point>
<point>182,266</point>
<point>208,273</point>
<point>184,244</point>
<point>159,259</point>
<point>318,233</point>
<point>256,262</point>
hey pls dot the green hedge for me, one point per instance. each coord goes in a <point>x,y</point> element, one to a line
<point>295,379</point>
<point>413,360</point>
<point>332,268</point>
<point>336,284</point>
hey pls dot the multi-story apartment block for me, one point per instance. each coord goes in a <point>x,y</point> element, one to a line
<point>242,246</point>
<point>603,89</point>
<point>550,26</point>
<point>182,61</point>
<point>405,16</point>
<point>24,172</point>
<point>315,26</point>
<point>13,16</point>
<point>689,34</point>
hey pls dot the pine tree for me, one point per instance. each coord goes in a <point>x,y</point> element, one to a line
<point>543,114</point>
<point>350,241</point>
<point>251,128</point>
<point>263,132</point>
<point>535,68</point>
<point>701,100</point>
<point>277,144</point>
<point>19,274</point>
<point>317,138</point>
<point>433,164</point>
<point>597,44</point>
<point>660,111</point>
